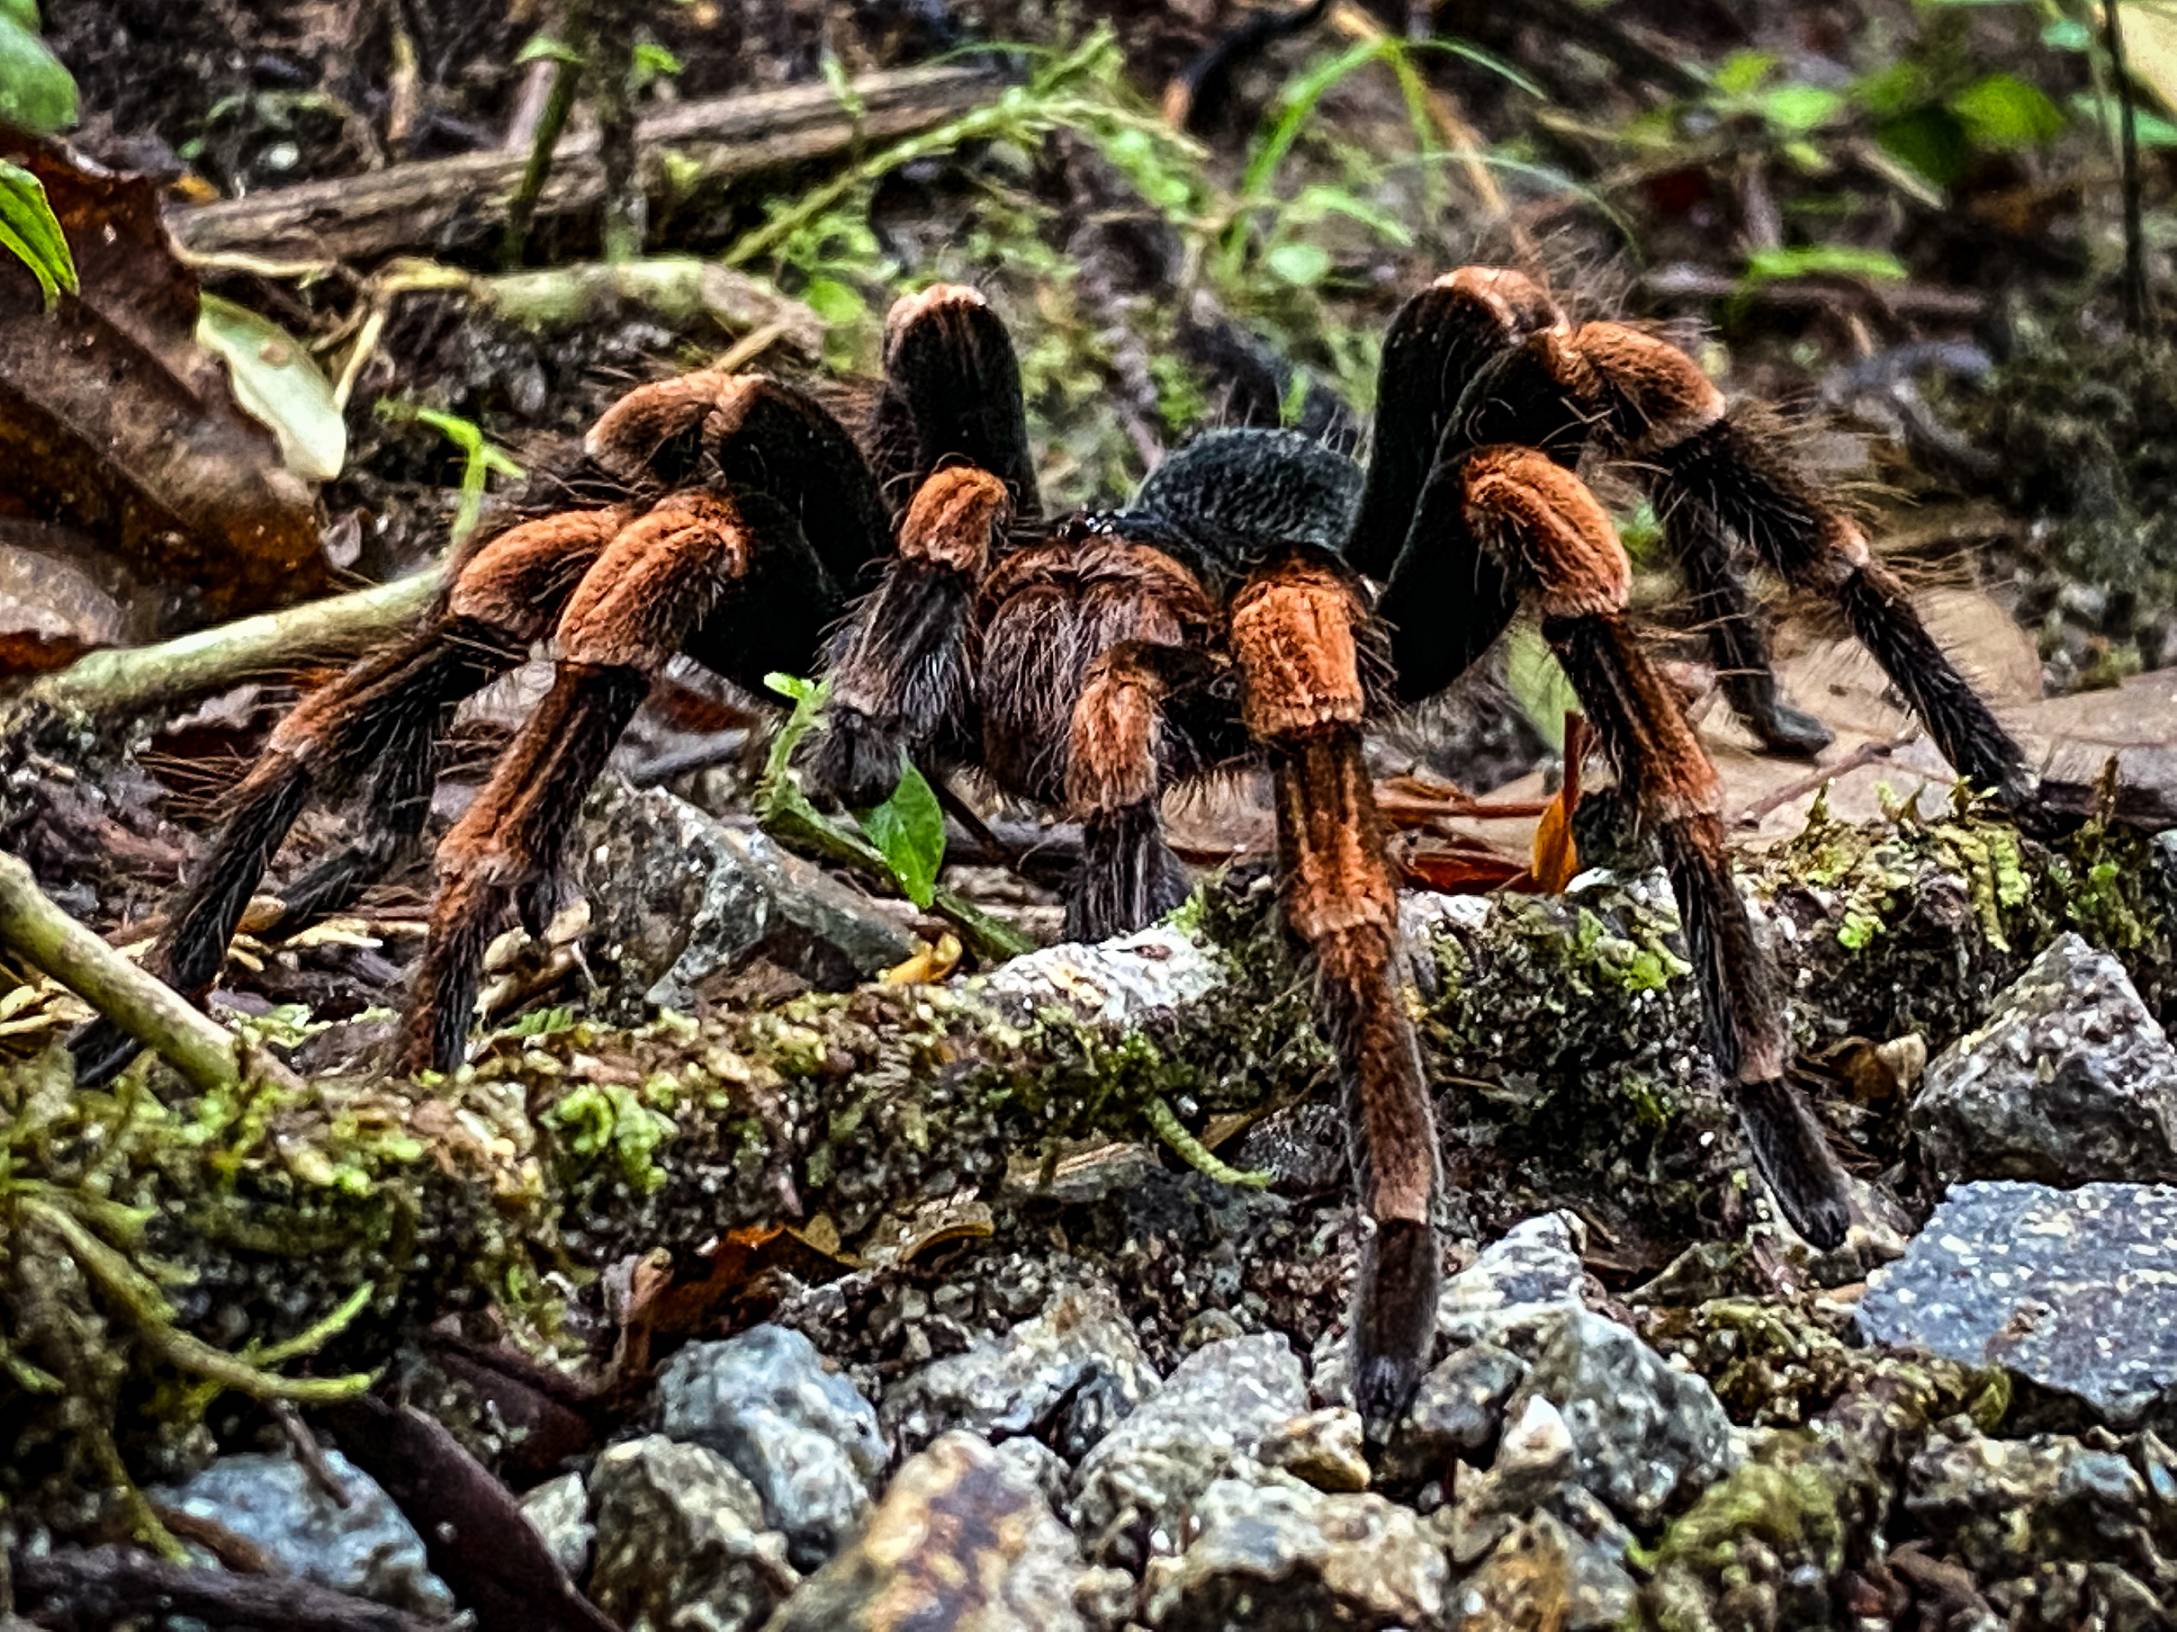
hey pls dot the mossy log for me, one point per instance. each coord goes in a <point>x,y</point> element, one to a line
<point>1564,1032</point>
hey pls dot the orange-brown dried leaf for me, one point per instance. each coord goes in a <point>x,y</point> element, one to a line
<point>114,420</point>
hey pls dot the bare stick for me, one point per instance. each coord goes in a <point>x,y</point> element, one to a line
<point>134,677</point>
<point>521,209</point>
<point>146,1008</point>
<point>456,202</point>
<point>2135,235</point>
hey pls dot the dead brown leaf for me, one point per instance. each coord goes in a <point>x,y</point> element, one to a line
<point>114,420</point>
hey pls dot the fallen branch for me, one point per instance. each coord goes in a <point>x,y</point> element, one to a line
<point>127,679</point>
<point>150,1011</point>
<point>88,1592</point>
<point>459,202</point>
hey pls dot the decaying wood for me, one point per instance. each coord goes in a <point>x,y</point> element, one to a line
<point>437,204</point>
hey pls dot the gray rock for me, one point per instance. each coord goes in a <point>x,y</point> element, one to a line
<point>960,1541</point>
<point>1509,1296</point>
<point>2073,1290</point>
<point>1545,1574</point>
<point>2056,1533</point>
<point>2072,1081</point>
<point>1457,1414</point>
<point>1534,1464</point>
<point>1132,1492</point>
<point>1283,1557</point>
<point>680,1541</point>
<point>1645,1438</point>
<point>678,897</point>
<point>559,1511</point>
<point>1518,1287</point>
<point>803,1436</point>
<point>1324,1448</point>
<point>276,1504</point>
<point>1070,1374</point>
<point>1035,1463</point>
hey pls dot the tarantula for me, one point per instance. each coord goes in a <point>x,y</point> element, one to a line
<point>1259,599</point>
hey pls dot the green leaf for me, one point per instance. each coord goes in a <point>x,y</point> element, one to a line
<point>908,829</point>
<point>1795,109</point>
<point>1299,263</point>
<point>1742,72</point>
<point>279,385</point>
<point>37,93</point>
<point>29,231</point>
<point>547,48</point>
<point>1538,685</point>
<point>1932,141</point>
<point>24,12</point>
<point>2003,112</point>
<point>654,61</point>
<point>835,302</point>
<point>1827,260</point>
<point>1316,202</point>
<point>2067,34</point>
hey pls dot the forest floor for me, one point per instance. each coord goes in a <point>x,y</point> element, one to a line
<point>793,1267</point>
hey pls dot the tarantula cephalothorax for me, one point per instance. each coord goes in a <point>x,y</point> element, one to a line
<point>1260,597</point>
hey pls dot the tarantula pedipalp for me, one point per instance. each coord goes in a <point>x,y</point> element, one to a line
<point>724,518</point>
<point>1230,611</point>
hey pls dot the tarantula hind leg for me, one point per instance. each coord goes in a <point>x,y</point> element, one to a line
<point>656,584</point>
<point>1297,632</point>
<point>1555,537</point>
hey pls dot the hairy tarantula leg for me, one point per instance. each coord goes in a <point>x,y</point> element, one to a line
<point>1660,408</point>
<point>952,392</point>
<point>1117,767</point>
<point>899,664</point>
<point>654,586</point>
<point>1556,536</point>
<point>1438,342</point>
<point>1738,638</point>
<point>1296,633</point>
<point>381,719</point>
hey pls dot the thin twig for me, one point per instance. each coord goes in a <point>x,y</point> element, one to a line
<point>145,1007</point>
<point>521,209</point>
<point>1867,753</point>
<point>2135,236</point>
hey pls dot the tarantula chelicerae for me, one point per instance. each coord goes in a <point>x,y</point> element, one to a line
<point>1230,612</point>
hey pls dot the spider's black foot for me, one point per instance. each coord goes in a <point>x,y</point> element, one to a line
<point>1394,1319</point>
<point>1128,877</point>
<point>855,761</point>
<point>102,1051</point>
<point>1795,1160</point>
<point>1790,731</point>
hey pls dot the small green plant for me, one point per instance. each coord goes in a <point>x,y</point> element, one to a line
<point>481,458</point>
<point>37,93</point>
<point>31,233</point>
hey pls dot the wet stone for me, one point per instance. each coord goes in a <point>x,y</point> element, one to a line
<point>1321,1448</point>
<point>2073,1291</point>
<point>802,1435</point>
<point>685,897</point>
<point>1456,1416</point>
<point>2071,1081</point>
<point>273,1502</point>
<point>1646,1438</point>
<point>1284,1557</point>
<point>1133,1491</point>
<point>962,1541</point>
<point>1545,1574</point>
<point>559,1511</point>
<point>1068,1375</point>
<point>680,1541</point>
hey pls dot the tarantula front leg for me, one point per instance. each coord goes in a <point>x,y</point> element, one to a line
<point>1297,632</point>
<point>1738,638</point>
<point>1557,541</point>
<point>651,590</point>
<point>379,723</point>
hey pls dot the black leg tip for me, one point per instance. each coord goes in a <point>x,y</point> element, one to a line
<point>102,1051</point>
<point>1790,731</point>
<point>1795,1160</point>
<point>1394,1323</point>
<point>854,761</point>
